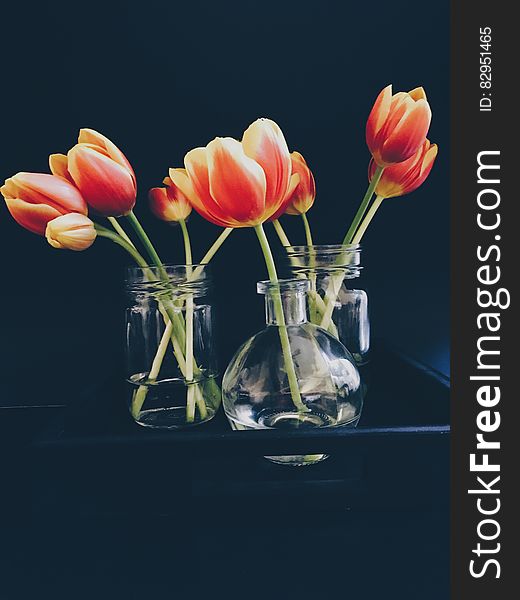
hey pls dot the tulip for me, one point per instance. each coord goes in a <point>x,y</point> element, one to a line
<point>397,125</point>
<point>239,184</point>
<point>100,171</point>
<point>397,180</point>
<point>243,184</point>
<point>169,203</point>
<point>34,199</point>
<point>396,129</point>
<point>405,177</point>
<point>71,232</point>
<point>302,198</point>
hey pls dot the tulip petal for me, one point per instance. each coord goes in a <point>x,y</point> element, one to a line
<point>378,115</point>
<point>282,209</point>
<point>58,164</point>
<point>418,94</point>
<point>429,158</point>
<point>237,182</point>
<point>196,175</point>
<point>107,186</point>
<point>264,142</point>
<point>33,217</point>
<point>409,134</point>
<point>181,179</point>
<point>42,188</point>
<point>94,138</point>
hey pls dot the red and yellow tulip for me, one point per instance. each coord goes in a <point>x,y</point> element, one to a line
<point>405,177</point>
<point>169,203</point>
<point>239,184</point>
<point>71,232</point>
<point>100,171</point>
<point>397,125</point>
<point>302,198</point>
<point>34,199</point>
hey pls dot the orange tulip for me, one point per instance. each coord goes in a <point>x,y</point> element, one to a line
<point>397,125</point>
<point>34,199</point>
<point>100,171</point>
<point>169,203</point>
<point>301,200</point>
<point>71,232</point>
<point>239,184</point>
<point>407,176</point>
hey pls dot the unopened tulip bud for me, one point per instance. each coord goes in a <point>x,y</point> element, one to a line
<point>397,125</point>
<point>169,203</point>
<point>71,232</point>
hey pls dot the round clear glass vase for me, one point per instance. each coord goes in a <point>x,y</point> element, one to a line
<point>291,376</point>
<point>336,301</point>
<point>170,348</point>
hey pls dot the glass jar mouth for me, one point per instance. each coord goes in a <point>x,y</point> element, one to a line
<point>177,279</point>
<point>325,248</point>
<point>283,286</point>
<point>328,258</point>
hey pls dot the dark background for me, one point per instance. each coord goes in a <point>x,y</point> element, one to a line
<point>160,78</point>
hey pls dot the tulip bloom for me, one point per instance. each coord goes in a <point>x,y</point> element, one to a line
<point>34,199</point>
<point>169,203</point>
<point>302,198</point>
<point>100,171</point>
<point>397,125</point>
<point>407,176</point>
<point>239,184</point>
<point>71,232</point>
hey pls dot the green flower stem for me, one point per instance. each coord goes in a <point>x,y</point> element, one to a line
<point>337,280</point>
<point>314,298</point>
<point>280,317</point>
<point>308,234</point>
<point>175,317</point>
<point>190,397</point>
<point>281,233</point>
<point>116,238</point>
<point>312,265</point>
<point>142,391</point>
<point>145,240</point>
<point>211,252</point>
<point>366,221</point>
<point>364,204</point>
<point>115,224</point>
<point>216,245</point>
<point>331,295</point>
<point>187,243</point>
<point>167,336</point>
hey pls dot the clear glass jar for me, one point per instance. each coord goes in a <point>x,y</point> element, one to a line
<point>257,391</point>
<point>170,346</point>
<point>335,300</point>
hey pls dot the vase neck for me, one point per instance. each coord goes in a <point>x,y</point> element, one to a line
<point>293,296</point>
